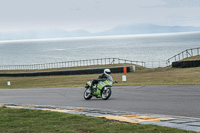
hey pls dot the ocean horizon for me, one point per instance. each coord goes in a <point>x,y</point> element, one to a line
<point>141,47</point>
<point>102,37</point>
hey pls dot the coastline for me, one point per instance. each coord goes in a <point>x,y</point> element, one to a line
<point>101,37</point>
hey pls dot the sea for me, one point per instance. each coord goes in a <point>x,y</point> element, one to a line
<point>149,48</point>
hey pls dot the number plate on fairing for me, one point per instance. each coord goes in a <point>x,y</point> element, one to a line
<point>102,84</point>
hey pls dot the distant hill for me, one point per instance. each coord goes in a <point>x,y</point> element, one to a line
<point>119,30</point>
<point>147,29</point>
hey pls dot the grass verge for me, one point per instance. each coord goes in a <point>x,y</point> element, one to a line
<point>160,76</point>
<point>142,76</point>
<point>35,121</point>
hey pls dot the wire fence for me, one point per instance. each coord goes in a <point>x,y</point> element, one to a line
<point>184,54</point>
<point>156,64</point>
<point>102,61</point>
<point>105,61</point>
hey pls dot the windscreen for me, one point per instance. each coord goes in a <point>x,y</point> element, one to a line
<point>110,78</point>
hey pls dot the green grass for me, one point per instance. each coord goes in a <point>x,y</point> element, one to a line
<point>25,121</point>
<point>142,76</point>
<point>37,121</point>
<point>192,58</point>
<point>161,76</point>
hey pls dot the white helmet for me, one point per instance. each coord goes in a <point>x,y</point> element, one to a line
<point>107,71</point>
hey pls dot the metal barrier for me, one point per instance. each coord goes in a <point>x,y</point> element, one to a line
<point>186,64</point>
<point>69,72</point>
<point>102,61</point>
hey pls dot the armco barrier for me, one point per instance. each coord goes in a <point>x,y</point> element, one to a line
<point>69,72</point>
<point>186,64</point>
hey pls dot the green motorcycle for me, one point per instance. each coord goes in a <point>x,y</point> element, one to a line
<point>100,90</point>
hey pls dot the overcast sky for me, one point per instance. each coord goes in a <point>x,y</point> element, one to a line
<point>95,15</point>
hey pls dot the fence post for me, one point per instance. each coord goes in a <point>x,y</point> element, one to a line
<point>187,53</point>
<point>182,55</point>
<point>192,52</point>
<point>113,61</point>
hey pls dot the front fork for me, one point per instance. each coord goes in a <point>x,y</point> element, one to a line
<point>104,90</point>
<point>87,86</point>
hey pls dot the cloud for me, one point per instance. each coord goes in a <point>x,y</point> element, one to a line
<point>150,3</point>
<point>94,15</point>
<point>168,3</point>
<point>182,3</point>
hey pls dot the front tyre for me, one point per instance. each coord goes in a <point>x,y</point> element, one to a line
<point>87,94</point>
<point>106,93</point>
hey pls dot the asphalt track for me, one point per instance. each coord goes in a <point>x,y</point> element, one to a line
<point>178,100</point>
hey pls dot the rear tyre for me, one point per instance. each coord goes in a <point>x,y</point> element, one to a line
<point>106,93</point>
<point>87,94</point>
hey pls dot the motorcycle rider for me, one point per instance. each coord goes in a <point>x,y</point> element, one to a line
<point>102,77</point>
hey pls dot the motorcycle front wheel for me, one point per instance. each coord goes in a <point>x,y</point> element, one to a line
<point>87,94</point>
<point>106,93</point>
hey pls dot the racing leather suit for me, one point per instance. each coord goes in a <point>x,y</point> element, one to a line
<point>102,77</point>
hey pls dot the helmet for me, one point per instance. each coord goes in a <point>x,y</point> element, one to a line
<point>107,71</point>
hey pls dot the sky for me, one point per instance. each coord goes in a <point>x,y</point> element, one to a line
<point>95,15</point>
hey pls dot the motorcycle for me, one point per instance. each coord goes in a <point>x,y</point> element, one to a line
<point>100,90</point>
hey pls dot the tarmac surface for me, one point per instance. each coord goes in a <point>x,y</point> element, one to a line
<point>175,105</point>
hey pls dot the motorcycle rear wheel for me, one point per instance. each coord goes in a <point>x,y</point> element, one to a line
<point>87,94</point>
